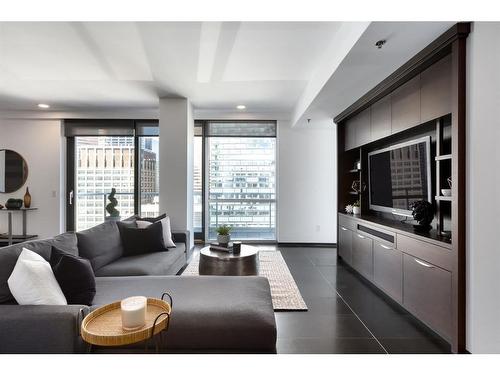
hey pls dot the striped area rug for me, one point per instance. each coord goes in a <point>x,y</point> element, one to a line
<point>284,291</point>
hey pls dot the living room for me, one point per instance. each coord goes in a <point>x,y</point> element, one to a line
<point>170,186</point>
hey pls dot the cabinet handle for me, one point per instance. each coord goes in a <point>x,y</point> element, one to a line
<point>360,236</point>
<point>386,247</point>
<point>424,264</point>
<point>343,228</point>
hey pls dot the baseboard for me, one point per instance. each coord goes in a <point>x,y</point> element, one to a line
<point>307,244</point>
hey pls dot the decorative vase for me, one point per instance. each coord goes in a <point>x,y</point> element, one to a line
<point>223,239</point>
<point>27,198</point>
<point>356,210</point>
<point>13,204</point>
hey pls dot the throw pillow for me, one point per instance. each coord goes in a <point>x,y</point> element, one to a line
<point>75,277</point>
<point>150,219</point>
<point>32,281</point>
<point>167,231</point>
<point>138,241</point>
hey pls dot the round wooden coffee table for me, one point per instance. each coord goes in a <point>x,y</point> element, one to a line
<point>228,264</point>
<point>103,326</point>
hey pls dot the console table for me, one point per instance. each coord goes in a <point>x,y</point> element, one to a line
<point>10,238</point>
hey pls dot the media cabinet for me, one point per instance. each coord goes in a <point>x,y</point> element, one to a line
<point>423,272</point>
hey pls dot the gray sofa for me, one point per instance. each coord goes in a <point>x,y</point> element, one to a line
<point>211,313</point>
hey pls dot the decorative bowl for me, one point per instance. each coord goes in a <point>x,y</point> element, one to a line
<point>446,192</point>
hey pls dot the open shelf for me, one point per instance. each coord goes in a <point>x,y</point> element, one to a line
<point>444,157</point>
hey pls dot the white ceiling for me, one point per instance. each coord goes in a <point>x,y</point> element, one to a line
<point>305,69</point>
<point>75,65</point>
<point>365,65</point>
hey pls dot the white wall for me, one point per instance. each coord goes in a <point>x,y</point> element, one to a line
<point>483,182</point>
<point>176,162</point>
<point>307,189</point>
<point>39,142</point>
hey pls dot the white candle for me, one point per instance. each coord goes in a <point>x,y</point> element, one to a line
<point>133,312</point>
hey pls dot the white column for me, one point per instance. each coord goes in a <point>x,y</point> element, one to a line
<point>176,162</point>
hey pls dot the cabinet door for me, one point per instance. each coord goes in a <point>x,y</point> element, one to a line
<point>427,293</point>
<point>350,134</point>
<point>363,127</point>
<point>435,89</point>
<point>345,244</point>
<point>388,270</point>
<point>381,118</point>
<point>362,255</point>
<point>405,105</point>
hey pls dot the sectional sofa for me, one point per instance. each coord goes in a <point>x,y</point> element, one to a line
<point>211,313</point>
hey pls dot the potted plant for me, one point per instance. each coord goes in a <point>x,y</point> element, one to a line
<point>223,234</point>
<point>356,207</point>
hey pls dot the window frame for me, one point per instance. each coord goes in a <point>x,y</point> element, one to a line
<point>81,128</point>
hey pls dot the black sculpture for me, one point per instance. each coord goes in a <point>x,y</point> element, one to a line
<point>111,207</point>
<point>423,213</point>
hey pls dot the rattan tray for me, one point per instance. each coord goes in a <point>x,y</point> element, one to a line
<point>103,326</point>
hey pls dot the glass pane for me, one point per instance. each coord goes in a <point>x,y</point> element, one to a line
<point>149,176</point>
<point>242,187</point>
<point>197,185</point>
<point>103,163</point>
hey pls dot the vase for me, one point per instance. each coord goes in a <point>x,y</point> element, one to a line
<point>223,239</point>
<point>27,199</point>
<point>356,210</point>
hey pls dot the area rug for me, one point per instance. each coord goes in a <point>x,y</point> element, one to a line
<point>284,291</point>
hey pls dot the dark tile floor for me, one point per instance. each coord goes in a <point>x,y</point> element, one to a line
<point>346,314</point>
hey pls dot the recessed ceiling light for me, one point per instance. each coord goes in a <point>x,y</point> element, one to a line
<point>44,106</point>
<point>241,106</point>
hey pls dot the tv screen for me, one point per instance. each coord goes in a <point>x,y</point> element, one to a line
<point>400,175</point>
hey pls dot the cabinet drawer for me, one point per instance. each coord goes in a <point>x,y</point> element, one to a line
<point>345,244</point>
<point>362,255</point>
<point>440,256</point>
<point>347,222</point>
<point>388,270</point>
<point>427,293</point>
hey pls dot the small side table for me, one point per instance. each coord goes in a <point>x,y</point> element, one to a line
<point>220,263</point>
<point>103,326</point>
<point>11,238</point>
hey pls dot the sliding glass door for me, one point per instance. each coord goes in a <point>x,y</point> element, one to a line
<point>124,158</point>
<point>241,179</point>
<point>103,163</point>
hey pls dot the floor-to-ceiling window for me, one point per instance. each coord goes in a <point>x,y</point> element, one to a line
<point>99,163</point>
<point>241,178</point>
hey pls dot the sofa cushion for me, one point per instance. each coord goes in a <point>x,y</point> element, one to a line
<point>160,263</point>
<point>141,240</point>
<point>9,255</point>
<point>209,312</point>
<point>74,275</point>
<point>100,244</point>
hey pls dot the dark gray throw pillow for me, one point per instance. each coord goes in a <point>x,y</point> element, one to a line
<point>75,277</point>
<point>151,219</point>
<point>101,244</point>
<point>138,241</point>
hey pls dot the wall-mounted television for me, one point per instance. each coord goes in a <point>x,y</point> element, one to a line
<point>400,175</point>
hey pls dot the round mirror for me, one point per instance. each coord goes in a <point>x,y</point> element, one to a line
<point>13,171</point>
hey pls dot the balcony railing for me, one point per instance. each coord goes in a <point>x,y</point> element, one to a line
<point>250,219</point>
<point>94,211</point>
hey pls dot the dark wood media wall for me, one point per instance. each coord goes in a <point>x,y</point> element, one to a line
<point>425,273</point>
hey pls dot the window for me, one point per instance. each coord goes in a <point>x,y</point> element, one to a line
<point>198,198</point>
<point>107,154</point>
<point>241,173</point>
<point>94,157</point>
<point>149,197</point>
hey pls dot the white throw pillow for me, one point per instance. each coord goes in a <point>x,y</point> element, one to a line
<point>167,232</point>
<point>32,281</point>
